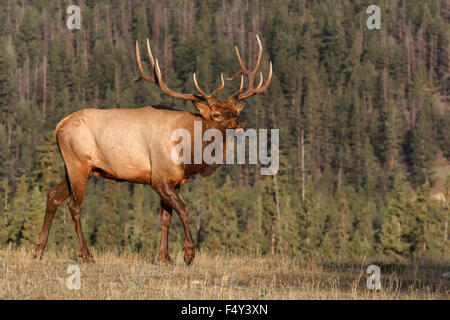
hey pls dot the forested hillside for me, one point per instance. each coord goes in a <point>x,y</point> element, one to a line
<point>363,118</point>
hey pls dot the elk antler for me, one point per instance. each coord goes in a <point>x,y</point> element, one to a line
<point>214,93</point>
<point>251,76</point>
<point>202,96</point>
<point>143,75</point>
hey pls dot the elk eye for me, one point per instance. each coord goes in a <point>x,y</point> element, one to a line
<point>216,115</point>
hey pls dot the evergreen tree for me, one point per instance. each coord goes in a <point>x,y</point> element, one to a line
<point>269,217</point>
<point>308,219</point>
<point>49,171</point>
<point>220,225</point>
<point>422,148</point>
<point>427,230</point>
<point>4,211</point>
<point>18,211</point>
<point>144,234</point>
<point>33,217</point>
<point>109,234</point>
<point>289,227</point>
<point>28,37</point>
<point>6,78</point>
<point>393,231</point>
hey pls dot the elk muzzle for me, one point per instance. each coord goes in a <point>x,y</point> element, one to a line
<point>240,124</point>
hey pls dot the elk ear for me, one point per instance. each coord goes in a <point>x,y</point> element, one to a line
<point>203,109</point>
<point>239,107</point>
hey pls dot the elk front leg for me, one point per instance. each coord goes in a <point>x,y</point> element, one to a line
<point>169,195</point>
<point>78,184</point>
<point>166,218</point>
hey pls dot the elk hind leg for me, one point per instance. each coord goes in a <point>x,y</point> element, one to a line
<point>54,198</point>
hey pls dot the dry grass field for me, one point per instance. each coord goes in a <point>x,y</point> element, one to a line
<point>221,276</point>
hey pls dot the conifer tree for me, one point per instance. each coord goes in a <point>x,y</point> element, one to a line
<point>289,227</point>
<point>49,171</point>
<point>308,219</point>
<point>393,231</point>
<point>109,235</point>
<point>6,78</point>
<point>269,218</point>
<point>28,37</point>
<point>18,211</point>
<point>4,210</point>
<point>255,225</point>
<point>355,248</point>
<point>33,217</point>
<point>145,233</point>
<point>422,147</point>
<point>220,229</point>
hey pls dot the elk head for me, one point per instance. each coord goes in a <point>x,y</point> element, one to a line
<point>219,113</point>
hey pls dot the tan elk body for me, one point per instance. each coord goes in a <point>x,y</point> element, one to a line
<point>135,145</point>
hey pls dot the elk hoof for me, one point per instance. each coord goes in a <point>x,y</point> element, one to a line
<point>38,252</point>
<point>189,253</point>
<point>37,255</point>
<point>166,259</point>
<point>87,258</point>
<point>188,260</point>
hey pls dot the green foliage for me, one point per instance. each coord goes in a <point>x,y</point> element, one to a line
<point>18,211</point>
<point>6,78</point>
<point>307,219</point>
<point>393,230</point>
<point>109,231</point>
<point>28,37</point>
<point>33,214</point>
<point>219,226</point>
<point>144,233</point>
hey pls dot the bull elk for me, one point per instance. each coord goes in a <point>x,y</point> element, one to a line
<point>134,145</point>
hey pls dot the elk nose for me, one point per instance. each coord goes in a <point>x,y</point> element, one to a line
<point>241,123</point>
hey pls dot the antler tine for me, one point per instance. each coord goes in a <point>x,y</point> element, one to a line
<point>259,60</point>
<point>241,63</point>
<point>253,91</point>
<point>241,73</point>
<point>269,78</point>
<point>251,75</point>
<point>158,78</point>
<point>236,94</point>
<point>215,92</point>
<point>150,55</point>
<point>198,87</point>
<point>166,90</point>
<point>260,87</point>
<point>243,68</point>
<point>202,96</point>
<point>142,74</point>
<point>260,81</point>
